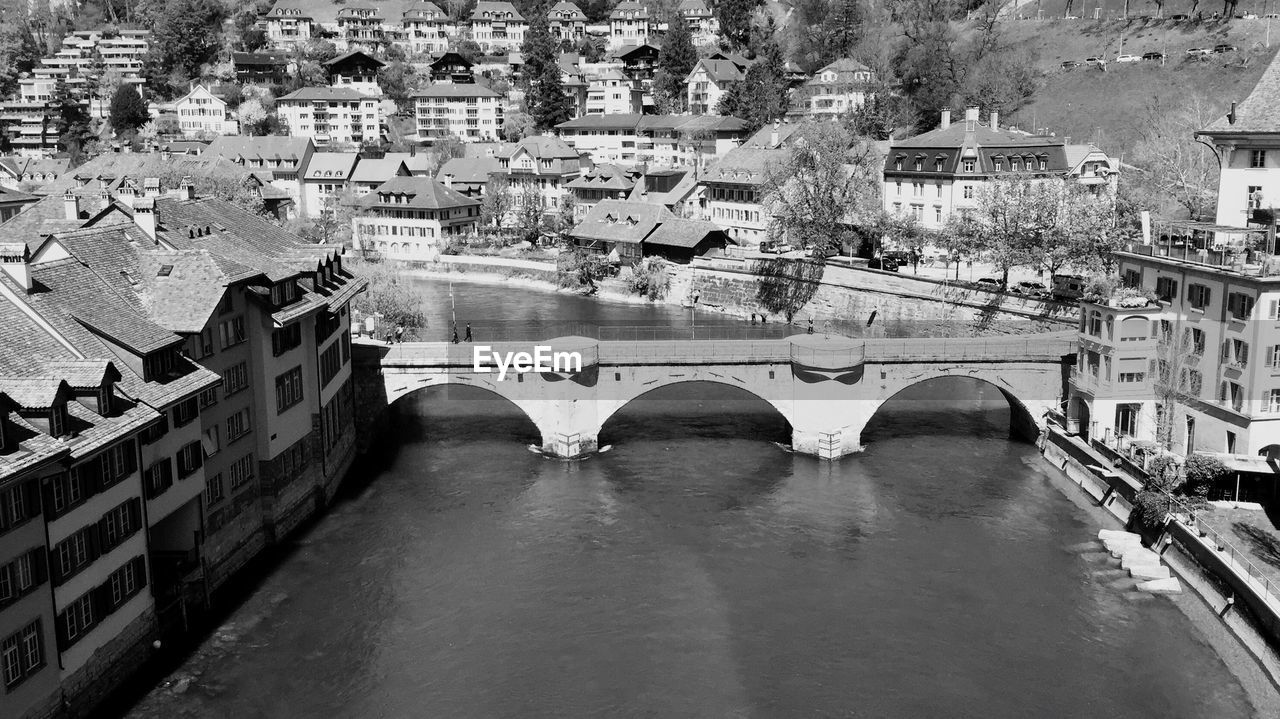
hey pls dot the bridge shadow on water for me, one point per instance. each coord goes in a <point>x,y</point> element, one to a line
<point>943,407</point>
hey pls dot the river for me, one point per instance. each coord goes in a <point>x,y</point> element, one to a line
<point>699,569</point>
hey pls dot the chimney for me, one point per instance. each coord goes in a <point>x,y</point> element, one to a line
<point>995,120</point>
<point>448,181</point>
<point>773,136</point>
<point>946,118</point>
<point>15,260</point>
<point>187,189</point>
<point>151,187</point>
<point>144,216</point>
<point>1231,116</point>
<point>70,205</point>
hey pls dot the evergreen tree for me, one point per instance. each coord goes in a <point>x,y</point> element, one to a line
<point>187,34</point>
<point>548,105</point>
<point>762,96</point>
<point>735,20</point>
<point>675,62</point>
<point>19,52</point>
<point>71,123</point>
<point>128,111</point>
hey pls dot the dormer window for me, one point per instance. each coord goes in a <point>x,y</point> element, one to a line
<point>919,165</point>
<point>2,440</point>
<point>59,419</point>
<point>282,293</point>
<point>104,400</point>
<point>897,164</point>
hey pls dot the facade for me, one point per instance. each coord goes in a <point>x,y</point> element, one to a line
<point>262,68</point>
<point>630,24</point>
<point>498,26</point>
<point>360,26</point>
<point>567,22</point>
<point>332,116</point>
<point>628,231</point>
<point>602,182</point>
<point>834,90</point>
<point>733,187</point>
<point>663,140</point>
<point>703,25</point>
<point>539,169</point>
<point>412,218</point>
<point>356,70</point>
<point>1248,143</point>
<point>709,81</point>
<point>201,113</point>
<point>325,180</point>
<point>931,176</point>
<point>473,113</point>
<point>288,25</point>
<point>276,161</point>
<point>427,28</point>
<point>610,92</point>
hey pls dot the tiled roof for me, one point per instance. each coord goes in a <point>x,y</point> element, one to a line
<point>621,221</point>
<point>615,121</point>
<point>113,248</point>
<point>424,10</point>
<point>378,170</point>
<point>182,289</point>
<point>354,55</point>
<point>694,8</point>
<point>679,232</point>
<point>32,392</point>
<point>260,58</point>
<point>720,71</point>
<point>272,147</point>
<point>83,374</point>
<point>492,8</point>
<point>844,69</point>
<point>543,148</point>
<point>420,192</point>
<point>449,89</point>
<point>566,11</point>
<point>469,169</point>
<point>330,166</point>
<point>41,219</point>
<point>326,94</point>
<point>604,177</point>
<point>621,9</point>
<point>23,340</point>
<point>958,135</point>
<point>1260,111</point>
<point>234,233</point>
<point>418,164</point>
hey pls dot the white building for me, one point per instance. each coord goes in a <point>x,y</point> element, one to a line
<point>1248,143</point>
<point>470,112</point>
<point>630,24</point>
<point>325,180</point>
<point>497,26</point>
<point>709,81</point>
<point>834,90</point>
<point>703,25</point>
<point>200,112</point>
<point>412,218</point>
<point>331,116</point>
<point>567,21</point>
<point>289,25</point>
<point>427,29</point>
<point>611,93</point>
<point>661,140</point>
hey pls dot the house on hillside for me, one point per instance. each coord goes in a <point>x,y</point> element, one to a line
<point>262,68</point>
<point>468,175</point>
<point>539,169</point>
<point>277,161</point>
<point>602,182</point>
<point>498,26</point>
<point>709,81</point>
<point>630,24</point>
<point>834,90</point>
<point>325,180</point>
<point>703,25</point>
<point>472,113</point>
<point>452,67</point>
<point>1248,141</point>
<point>567,22</point>
<point>412,218</point>
<point>288,25</point>
<point>201,114</point>
<point>427,28</point>
<point>356,70</point>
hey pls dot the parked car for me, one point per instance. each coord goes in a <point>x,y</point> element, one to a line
<point>1071,17</point>
<point>1180,16</point>
<point>1128,58</point>
<point>1033,289</point>
<point>1068,287</point>
<point>988,283</point>
<point>1223,48</point>
<point>1199,51</point>
<point>822,251</point>
<point>773,247</point>
<point>1152,56</point>
<point>1094,61</point>
<point>888,264</point>
<point>1070,65</point>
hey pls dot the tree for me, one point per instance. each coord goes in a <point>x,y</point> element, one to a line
<point>397,80</point>
<point>547,103</point>
<point>784,286</point>
<point>735,20</point>
<point>128,111</point>
<point>1177,379</point>
<point>187,34</point>
<point>1175,165</point>
<point>497,202</point>
<point>390,294</point>
<point>827,182</point>
<point>517,125</point>
<point>71,123</point>
<point>19,53</point>
<point>445,148</point>
<point>761,97</point>
<point>1009,215</point>
<point>675,62</point>
<point>257,113</point>
<point>529,214</point>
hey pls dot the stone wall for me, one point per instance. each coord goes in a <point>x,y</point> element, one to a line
<point>918,306</point>
<point>110,666</point>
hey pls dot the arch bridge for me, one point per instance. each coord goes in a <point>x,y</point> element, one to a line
<point>826,387</point>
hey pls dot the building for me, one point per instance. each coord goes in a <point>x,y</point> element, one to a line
<point>497,26</point>
<point>602,182</point>
<point>468,176</point>
<point>262,68</point>
<point>473,113</point>
<point>427,29</point>
<point>734,186</point>
<point>539,169</point>
<point>326,179</point>
<point>276,161</point>
<point>452,67</point>
<point>630,24</point>
<point>30,128</point>
<point>1248,142</point>
<point>13,201</point>
<point>703,25</point>
<point>356,70</point>
<point>665,140</point>
<point>29,173</point>
<point>288,25</point>
<point>332,116</point>
<point>567,22</point>
<point>412,218</point>
<point>834,90</point>
<point>610,92</point>
<point>639,64</point>
<point>371,173</point>
<point>932,175</point>
<point>628,231</point>
<point>709,80</point>
<point>201,114</point>
<point>360,26</point>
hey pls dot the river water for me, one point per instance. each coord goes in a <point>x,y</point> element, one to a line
<point>698,569</point>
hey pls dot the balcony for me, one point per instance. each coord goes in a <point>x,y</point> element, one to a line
<point>1240,250</point>
<point>1100,388</point>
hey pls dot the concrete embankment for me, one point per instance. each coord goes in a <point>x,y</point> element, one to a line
<point>846,294</point>
<point>1245,635</point>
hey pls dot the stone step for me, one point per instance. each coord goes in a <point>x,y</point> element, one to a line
<point>1105,534</point>
<point>1149,572</point>
<point>1137,558</point>
<point>1119,547</point>
<point>1161,586</point>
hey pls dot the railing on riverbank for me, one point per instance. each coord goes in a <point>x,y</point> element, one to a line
<point>1235,558</point>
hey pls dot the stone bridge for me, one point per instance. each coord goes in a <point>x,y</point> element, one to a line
<point>826,387</point>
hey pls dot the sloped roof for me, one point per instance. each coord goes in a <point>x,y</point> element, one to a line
<point>469,169</point>
<point>37,221</point>
<point>604,177</point>
<point>621,221</point>
<point>273,59</point>
<point>1260,111</point>
<point>492,8</point>
<point>424,10</point>
<point>566,11</point>
<point>542,148</point>
<point>421,193</point>
<point>32,392</point>
<point>354,55</point>
<point>614,121</point>
<point>378,169</point>
<point>679,232</point>
<point>84,306</point>
<point>271,147</point>
<point>83,373</point>
<point>958,135</point>
<point>720,71</point>
<point>628,6</point>
<point>694,8</point>
<point>185,295</point>
<point>330,166</point>
<point>326,94</point>
<point>449,89</point>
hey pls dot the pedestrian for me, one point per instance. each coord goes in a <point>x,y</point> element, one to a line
<point>390,337</point>
<point>810,325</point>
<point>872,318</point>
<point>468,337</point>
<point>753,318</point>
<point>399,332</point>
<point>369,327</point>
<point>455,334</point>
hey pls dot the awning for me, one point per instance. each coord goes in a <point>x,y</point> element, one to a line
<point>1249,464</point>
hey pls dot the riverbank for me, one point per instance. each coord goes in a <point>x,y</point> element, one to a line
<point>1235,636</point>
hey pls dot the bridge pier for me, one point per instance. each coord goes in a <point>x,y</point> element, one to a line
<point>571,445</point>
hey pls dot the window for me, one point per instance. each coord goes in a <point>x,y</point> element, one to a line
<point>1044,165</point>
<point>77,619</point>
<point>968,192</point>
<point>69,489</point>
<point>22,654</point>
<point>1198,296</point>
<point>1257,158</point>
<point>125,582</point>
<point>1239,353</point>
<point>190,458</point>
<point>211,442</point>
<point>231,332</point>
<point>19,577</point>
<point>235,379</point>
<point>185,412</point>
<point>157,478</point>
<point>1194,338</point>
<point>330,363</point>
<point>119,523</point>
<point>157,364</point>
<point>1240,305</point>
<point>214,491</point>
<point>241,471</point>
<point>200,345</point>
<point>1271,401</point>
<point>18,503</point>
<point>283,293</point>
<point>1132,376</point>
<point>968,165</point>
<point>1166,288</point>
<point>58,420</point>
<point>286,338</point>
<point>998,165</point>
<point>207,398</point>
<point>1254,197</point>
<point>74,552</point>
<point>288,389</point>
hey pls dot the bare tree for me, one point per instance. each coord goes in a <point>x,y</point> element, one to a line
<point>1176,165</point>
<point>1176,378</point>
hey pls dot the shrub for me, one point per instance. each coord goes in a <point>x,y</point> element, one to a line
<point>390,294</point>
<point>649,279</point>
<point>1202,471</point>
<point>1100,289</point>
<point>580,269</point>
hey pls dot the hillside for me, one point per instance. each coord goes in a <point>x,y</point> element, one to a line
<point>1089,104</point>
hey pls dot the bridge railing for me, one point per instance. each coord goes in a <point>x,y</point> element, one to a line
<point>970,348</point>
<point>537,331</point>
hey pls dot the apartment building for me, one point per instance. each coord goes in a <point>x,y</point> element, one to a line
<point>497,26</point>
<point>360,26</point>
<point>567,22</point>
<point>932,175</point>
<point>709,80</point>
<point>326,179</point>
<point>1248,142</point>
<point>289,25</point>
<point>734,186</point>
<point>539,169</point>
<point>472,113</point>
<point>610,92</point>
<point>665,140</point>
<point>834,90</point>
<point>630,24</point>
<point>332,116</point>
<point>200,113</point>
<point>427,28</point>
<point>412,218</point>
<point>702,23</point>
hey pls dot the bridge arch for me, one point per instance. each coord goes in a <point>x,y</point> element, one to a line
<point>610,408</point>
